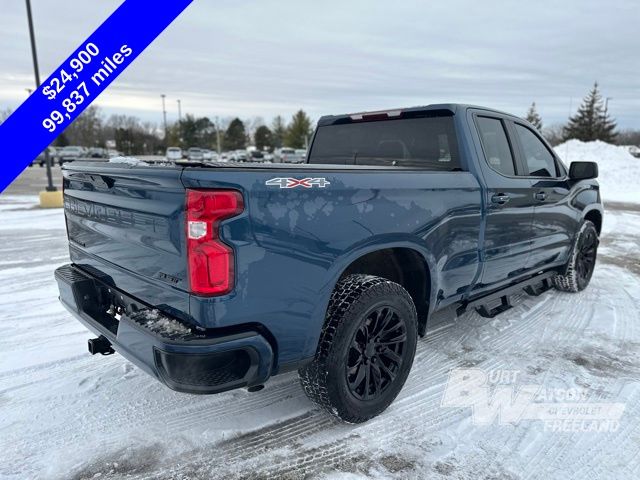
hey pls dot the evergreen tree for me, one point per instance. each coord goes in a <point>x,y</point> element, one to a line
<point>263,138</point>
<point>235,138</point>
<point>192,132</point>
<point>592,121</point>
<point>533,117</point>
<point>278,131</point>
<point>299,131</point>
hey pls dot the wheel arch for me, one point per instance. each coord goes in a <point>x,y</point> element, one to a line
<point>405,263</point>
<point>594,215</point>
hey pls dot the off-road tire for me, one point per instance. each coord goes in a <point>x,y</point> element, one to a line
<point>573,281</point>
<point>325,379</point>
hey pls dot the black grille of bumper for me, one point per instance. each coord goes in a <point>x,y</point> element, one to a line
<point>204,370</point>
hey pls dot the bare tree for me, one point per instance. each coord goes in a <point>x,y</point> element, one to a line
<point>554,133</point>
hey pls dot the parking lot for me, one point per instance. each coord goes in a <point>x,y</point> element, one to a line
<point>33,180</point>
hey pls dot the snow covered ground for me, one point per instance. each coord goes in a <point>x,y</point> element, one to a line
<point>67,415</point>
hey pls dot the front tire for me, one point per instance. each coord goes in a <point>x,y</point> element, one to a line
<point>582,262</point>
<point>366,349</point>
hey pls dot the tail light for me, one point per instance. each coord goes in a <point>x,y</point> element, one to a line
<point>210,261</point>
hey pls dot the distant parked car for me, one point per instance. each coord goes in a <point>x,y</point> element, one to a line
<point>281,154</point>
<point>256,156</point>
<point>70,153</point>
<point>634,150</point>
<point>97,152</point>
<point>195,154</point>
<point>240,156</point>
<point>207,154</point>
<point>174,153</point>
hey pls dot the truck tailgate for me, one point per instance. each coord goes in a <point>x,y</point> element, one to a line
<point>126,224</point>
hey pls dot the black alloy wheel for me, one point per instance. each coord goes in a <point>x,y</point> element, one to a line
<point>582,261</point>
<point>586,257</point>
<point>376,353</point>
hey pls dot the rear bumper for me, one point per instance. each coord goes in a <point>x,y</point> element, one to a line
<point>184,360</point>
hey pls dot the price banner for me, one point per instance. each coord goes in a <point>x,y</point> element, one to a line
<point>80,79</point>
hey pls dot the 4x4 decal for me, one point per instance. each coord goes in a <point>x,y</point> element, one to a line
<point>295,182</point>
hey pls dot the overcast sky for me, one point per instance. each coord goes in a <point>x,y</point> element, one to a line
<point>263,58</point>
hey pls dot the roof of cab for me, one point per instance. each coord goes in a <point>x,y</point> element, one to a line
<point>438,109</point>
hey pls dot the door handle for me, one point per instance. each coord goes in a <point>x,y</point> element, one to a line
<point>500,198</point>
<point>541,196</point>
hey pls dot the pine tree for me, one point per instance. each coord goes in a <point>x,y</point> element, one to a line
<point>592,121</point>
<point>533,117</point>
<point>299,130</point>
<point>278,131</point>
<point>235,138</point>
<point>263,138</point>
<point>194,132</point>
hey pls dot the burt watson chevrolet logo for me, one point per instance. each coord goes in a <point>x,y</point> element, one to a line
<point>495,395</point>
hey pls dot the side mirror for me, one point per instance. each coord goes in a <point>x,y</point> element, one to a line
<point>583,170</point>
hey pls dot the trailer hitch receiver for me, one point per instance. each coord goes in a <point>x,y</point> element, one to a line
<point>100,345</point>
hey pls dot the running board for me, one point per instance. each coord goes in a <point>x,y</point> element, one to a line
<point>538,288</point>
<point>485,305</point>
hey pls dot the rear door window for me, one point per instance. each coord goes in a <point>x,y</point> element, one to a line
<point>427,143</point>
<point>496,145</point>
<point>538,159</point>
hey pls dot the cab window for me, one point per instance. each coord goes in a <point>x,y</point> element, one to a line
<point>495,145</point>
<point>537,157</point>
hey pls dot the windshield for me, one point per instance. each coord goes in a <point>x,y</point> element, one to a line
<point>425,143</point>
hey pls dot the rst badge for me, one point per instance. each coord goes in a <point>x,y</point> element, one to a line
<point>295,182</point>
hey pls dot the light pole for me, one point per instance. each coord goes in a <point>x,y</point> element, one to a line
<point>179,122</point>
<point>164,116</point>
<point>606,105</point>
<point>34,54</point>
<point>218,136</point>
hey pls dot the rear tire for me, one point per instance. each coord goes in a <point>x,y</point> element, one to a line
<point>582,262</point>
<point>366,349</point>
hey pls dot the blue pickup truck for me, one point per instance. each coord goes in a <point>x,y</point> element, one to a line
<point>217,276</point>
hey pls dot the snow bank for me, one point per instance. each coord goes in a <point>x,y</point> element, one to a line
<point>619,171</point>
<point>128,160</point>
